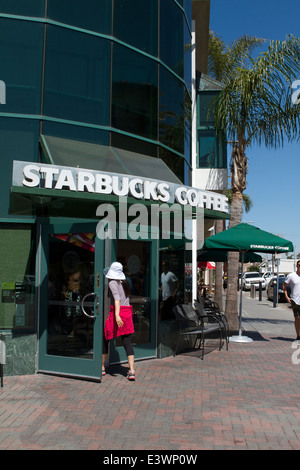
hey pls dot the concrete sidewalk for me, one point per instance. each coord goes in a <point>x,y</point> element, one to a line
<point>246,398</point>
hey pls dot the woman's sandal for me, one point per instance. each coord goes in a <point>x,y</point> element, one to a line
<point>103,372</point>
<point>131,376</point>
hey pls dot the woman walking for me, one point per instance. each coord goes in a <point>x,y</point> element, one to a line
<point>119,321</point>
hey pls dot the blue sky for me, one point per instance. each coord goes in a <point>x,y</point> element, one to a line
<point>273,175</point>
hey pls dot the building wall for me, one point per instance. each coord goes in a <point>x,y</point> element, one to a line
<point>101,71</point>
<point>83,73</point>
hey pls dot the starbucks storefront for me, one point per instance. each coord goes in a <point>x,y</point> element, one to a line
<point>85,220</point>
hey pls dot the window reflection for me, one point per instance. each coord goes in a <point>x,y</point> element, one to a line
<point>171,111</point>
<point>212,150</point>
<point>17,279</point>
<point>144,33</point>
<point>21,48</point>
<point>135,258</point>
<point>77,76</point>
<point>171,53</point>
<point>70,278</point>
<point>134,93</point>
<point>19,7</point>
<point>94,15</point>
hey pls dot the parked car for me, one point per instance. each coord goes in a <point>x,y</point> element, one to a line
<point>252,278</point>
<point>270,289</point>
<point>268,276</point>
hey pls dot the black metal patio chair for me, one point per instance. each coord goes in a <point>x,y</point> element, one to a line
<point>191,324</point>
<point>212,314</point>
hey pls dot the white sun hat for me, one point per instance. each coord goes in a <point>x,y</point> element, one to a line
<point>116,272</point>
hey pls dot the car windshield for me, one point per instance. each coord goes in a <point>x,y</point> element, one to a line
<point>252,275</point>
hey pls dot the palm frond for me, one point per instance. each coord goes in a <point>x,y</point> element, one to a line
<point>256,102</point>
<point>223,59</point>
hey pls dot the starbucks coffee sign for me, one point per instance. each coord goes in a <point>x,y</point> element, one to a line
<point>54,177</point>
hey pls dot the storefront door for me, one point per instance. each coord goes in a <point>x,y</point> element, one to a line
<point>71,288</point>
<point>138,258</point>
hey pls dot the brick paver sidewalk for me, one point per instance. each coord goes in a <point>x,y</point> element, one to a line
<point>246,398</point>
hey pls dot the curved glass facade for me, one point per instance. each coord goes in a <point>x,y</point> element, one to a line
<point>111,72</point>
<point>103,70</point>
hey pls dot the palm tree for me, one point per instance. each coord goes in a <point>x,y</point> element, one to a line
<point>247,204</point>
<point>247,201</point>
<point>254,106</point>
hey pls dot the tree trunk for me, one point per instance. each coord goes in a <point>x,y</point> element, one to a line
<point>231,310</point>
<point>238,185</point>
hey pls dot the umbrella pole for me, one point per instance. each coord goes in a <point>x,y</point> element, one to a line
<point>241,297</point>
<point>240,338</point>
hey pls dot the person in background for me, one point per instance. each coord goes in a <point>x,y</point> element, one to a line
<point>72,293</point>
<point>293,280</point>
<point>169,288</point>
<point>119,321</point>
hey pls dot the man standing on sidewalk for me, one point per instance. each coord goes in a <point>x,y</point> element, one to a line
<point>293,280</point>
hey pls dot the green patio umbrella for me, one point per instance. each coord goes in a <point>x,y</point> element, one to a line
<point>222,256</point>
<point>246,238</point>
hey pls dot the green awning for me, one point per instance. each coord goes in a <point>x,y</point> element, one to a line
<point>74,153</point>
<point>93,157</point>
<point>25,201</point>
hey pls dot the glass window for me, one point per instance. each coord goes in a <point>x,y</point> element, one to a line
<point>18,141</point>
<point>205,113</point>
<point>77,73</point>
<point>67,131</point>
<point>94,15</point>
<point>172,53</point>
<point>212,150</point>
<point>134,93</point>
<point>132,144</point>
<point>17,280</point>
<point>21,50</point>
<point>70,278</point>
<point>171,111</point>
<point>187,174</point>
<point>187,58</point>
<point>136,23</point>
<point>21,7</point>
<point>136,260</point>
<point>174,162</point>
